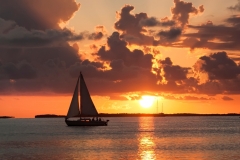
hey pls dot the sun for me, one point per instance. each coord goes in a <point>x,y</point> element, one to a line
<point>146,101</point>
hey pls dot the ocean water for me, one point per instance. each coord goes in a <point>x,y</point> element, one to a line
<point>160,138</point>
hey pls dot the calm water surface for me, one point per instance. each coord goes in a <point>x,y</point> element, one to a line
<point>161,138</point>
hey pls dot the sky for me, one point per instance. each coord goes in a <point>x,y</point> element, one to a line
<point>136,56</point>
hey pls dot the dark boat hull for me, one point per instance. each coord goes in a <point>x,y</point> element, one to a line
<point>85,123</point>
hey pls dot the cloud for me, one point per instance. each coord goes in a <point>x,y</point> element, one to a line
<point>220,74</point>
<point>143,30</point>
<point>218,66</point>
<point>172,34</point>
<point>149,22</point>
<point>33,48</point>
<point>132,28</point>
<point>98,34</point>
<point>226,98</point>
<point>38,15</point>
<point>188,97</point>
<point>182,10</point>
<point>35,55</point>
<point>153,22</point>
<point>95,36</point>
<point>21,70</point>
<point>234,20</point>
<point>118,50</point>
<point>20,37</point>
<point>215,37</point>
<point>236,7</point>
<point>172,72</point>
<point>96,64</point>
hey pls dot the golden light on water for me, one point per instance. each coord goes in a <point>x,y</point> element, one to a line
<point>146,146</point>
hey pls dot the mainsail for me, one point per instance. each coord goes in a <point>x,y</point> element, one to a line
<point>74,106</point>
<point>87,108</point>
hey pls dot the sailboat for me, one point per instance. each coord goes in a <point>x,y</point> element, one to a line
<point>85,110</point>
<point>160,114</point>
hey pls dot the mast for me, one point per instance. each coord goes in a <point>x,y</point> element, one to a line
<point>162,107</point>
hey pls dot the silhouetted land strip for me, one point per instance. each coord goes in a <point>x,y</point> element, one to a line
<point>141,115</point>
<point>50,116</point>
<point>6,117</point>
<point>162,115</point>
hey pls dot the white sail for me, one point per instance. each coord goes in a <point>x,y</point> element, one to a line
<point>87,107</point>
<point>74,106</point>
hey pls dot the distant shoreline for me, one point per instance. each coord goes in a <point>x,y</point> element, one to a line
<point>49,116</point>
<point>3,117</point>
<point>140,115</point>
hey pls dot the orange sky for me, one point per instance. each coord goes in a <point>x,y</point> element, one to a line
<point>184,51</point>
<point>29,106</point>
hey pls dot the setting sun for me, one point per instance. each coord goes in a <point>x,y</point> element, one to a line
<point>146,101</point>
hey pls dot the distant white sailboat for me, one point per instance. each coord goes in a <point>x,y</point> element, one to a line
<point>85,109</point>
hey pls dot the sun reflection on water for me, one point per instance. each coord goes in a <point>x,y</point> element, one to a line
<point>146,147</point>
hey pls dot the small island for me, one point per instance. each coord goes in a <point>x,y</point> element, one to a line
<point>49,116</point>
<point>4,117</point>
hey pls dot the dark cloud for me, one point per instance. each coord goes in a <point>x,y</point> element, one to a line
<point>40,55</point>
<point>166,22</point>
<point>236,7</point>
<point>188,97</point>
<point>219,74</point>
<point>118,51</point>
<point>172,34</point>
<point>36,70</point>
<point>172,72</point>
<point>20,37</point>
<point>117,81</point>
<point>166,61</point>
<point>117,65</point>
<point>35,55</point>
<point>128,22</point>
<point>38,15</point>
<point>207,34</point>
<point>98,34</point>
<point>182,10</point>
<point>235,57</point>
<point>96,64</point>
<point>234,20</point>
<point>6,26</point>
<point>226,98</point>
<point>218,66</point>
<point>21,70</point>
<point>149,22</point>
<point>95,36</point>
<point>34,52</point>
<point>132,26</point>
<point>153,21</point>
